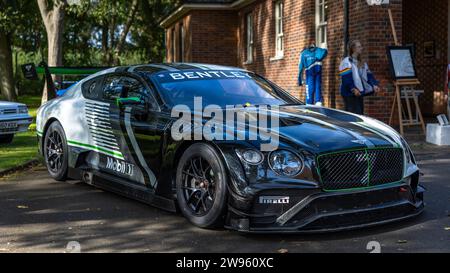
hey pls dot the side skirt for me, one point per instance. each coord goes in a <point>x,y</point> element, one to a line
<point>127,189</point>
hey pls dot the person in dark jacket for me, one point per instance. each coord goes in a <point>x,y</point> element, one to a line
<point>357,81</point>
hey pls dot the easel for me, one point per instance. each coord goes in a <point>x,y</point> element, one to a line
<point>405,94</point>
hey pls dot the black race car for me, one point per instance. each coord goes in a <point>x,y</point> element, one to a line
<point>123,130</point>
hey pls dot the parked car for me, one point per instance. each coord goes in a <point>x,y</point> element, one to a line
<point>14,118</point>
<point>332,170</point>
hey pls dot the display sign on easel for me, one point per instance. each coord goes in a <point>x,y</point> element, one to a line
<point>377,2</point>
<point>401,62</point>
<point>405,77</point>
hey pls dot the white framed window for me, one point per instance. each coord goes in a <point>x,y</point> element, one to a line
<point>279,36</point>
<point>321,23</point>
<point>249,38</point>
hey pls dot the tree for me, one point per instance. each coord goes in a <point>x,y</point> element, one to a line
<point>151,12</point>
<point>126,28</point>
<point>115,19</point>
<point>8,15</point>
<point>53,18</point>
<point>115,31</point>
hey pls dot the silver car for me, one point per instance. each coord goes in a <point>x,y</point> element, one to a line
<point>14,118</point>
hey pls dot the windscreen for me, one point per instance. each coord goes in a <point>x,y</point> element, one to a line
<point>219,87</point>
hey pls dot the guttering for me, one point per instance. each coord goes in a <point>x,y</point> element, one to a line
<point>185,8</point>
<point>346,25</point>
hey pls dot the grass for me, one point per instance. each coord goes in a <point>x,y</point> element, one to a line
<point>24,146</point>
<point>22,149</point>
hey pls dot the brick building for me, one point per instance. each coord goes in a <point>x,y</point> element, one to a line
<point>267,36</point>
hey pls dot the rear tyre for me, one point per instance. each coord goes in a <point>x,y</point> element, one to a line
<point>56,152</point>
<point>6,139</point>
<point>202,186</point>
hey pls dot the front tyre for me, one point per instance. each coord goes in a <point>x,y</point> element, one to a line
<point>56,152</point>
<point>202,186</point>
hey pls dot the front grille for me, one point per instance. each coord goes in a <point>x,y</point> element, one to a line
<point>8,111</point>
<point>360,168</point>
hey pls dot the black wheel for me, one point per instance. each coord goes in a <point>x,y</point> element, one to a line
<point>55,151</point>
<point>6,139</point>
<point>202,186</point>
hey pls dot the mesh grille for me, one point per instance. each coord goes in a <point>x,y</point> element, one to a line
<point>361,168</point>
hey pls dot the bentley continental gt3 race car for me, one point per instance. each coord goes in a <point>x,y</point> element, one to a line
<point>330,171</point>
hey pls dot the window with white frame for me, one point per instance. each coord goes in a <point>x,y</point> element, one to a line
<point>249,37</point>
<point>321,23</point>
<point>279,38</point>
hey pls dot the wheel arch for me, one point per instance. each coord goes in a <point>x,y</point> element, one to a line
<point>188,143</point>
<point>44,131</point>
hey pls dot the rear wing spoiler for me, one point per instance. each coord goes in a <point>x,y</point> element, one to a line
<point>30,72</point>
<point>60,70</point>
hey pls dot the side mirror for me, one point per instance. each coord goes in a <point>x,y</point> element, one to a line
<point>140,112</point>
<point>129,101</point>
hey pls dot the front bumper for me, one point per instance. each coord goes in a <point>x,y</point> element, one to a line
<point>332,211</point>
<point>23,122</point>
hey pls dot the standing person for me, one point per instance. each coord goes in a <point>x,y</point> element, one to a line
<point>357,81</point>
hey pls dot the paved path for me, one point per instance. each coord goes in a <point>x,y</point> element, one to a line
<point>38,214</point>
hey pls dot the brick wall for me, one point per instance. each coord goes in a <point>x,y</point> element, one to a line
<point>218,37</point>
<point>370,24</point>
<point>214,37</point>
<point>298,23</point>
<point>427,21</point>
<point>210,37</point>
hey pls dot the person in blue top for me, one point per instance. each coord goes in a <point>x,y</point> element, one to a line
<point>357,81</point>
<point>311,61</point>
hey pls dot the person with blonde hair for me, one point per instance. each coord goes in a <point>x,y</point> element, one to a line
<point>357,81</point>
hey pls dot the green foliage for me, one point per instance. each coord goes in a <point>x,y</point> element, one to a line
<point>84,24</point>
<point>137,56</point>
<point>8,17</point>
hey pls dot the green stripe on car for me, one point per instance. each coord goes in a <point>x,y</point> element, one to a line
<point>96,148</point>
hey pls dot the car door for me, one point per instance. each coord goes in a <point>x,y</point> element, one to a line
<point>134,122</point>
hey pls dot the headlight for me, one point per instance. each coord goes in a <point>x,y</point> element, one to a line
<point>23,110</point>
<point>285,163</point>
<point>250,156</point>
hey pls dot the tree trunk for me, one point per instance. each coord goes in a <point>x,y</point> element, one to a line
<point>54,24</point>
<point>123,35</point>
<point>55,38</point>
<point>6,68</point>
